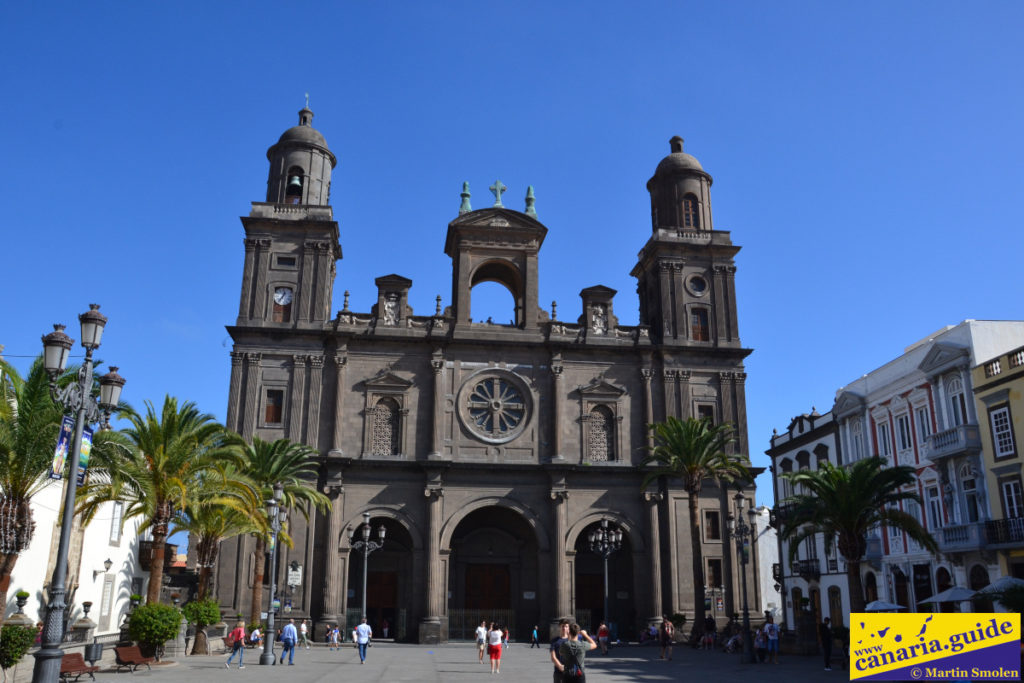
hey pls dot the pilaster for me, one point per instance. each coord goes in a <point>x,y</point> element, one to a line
<point>298,397</point>
<point>245,302</point>
<point>335,580</point>
<point>430,626</point>
<point>340,362</point>
<point>235,392</point>
<point>437,365</point>
<point>316,379</point>
<point>657,605</point>
<point>253,363</point>
<point>556,406</point>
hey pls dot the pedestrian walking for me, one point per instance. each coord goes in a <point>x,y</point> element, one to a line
<point>772,632</point>
<point>237,638</point>
<point>333,637</point>
<point>481,640</point>
<point>289,636</point>
<point>504,637</point>
<point>666,635</point>
<point>573,653</point>
<point>303,634</point>
<point>494,647</point>
<point>825,632</point>
<point>384,626</point>
<point>363,635</point>
<point>534,643</point>
<point>602,637</point>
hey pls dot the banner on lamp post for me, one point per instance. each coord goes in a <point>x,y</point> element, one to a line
<point>83,455</point>
<point>60,453</point>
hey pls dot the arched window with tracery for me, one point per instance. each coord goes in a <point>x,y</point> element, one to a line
<point>385,440</point>
<point>601,428</point>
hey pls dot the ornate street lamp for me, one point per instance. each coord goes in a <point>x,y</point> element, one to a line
<point>277,518</point>
<point>367,546</point>
<point>77,398</point>
<point>744,534</point>
<point>605,541</point>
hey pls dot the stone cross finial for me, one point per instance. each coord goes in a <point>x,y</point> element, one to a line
<point>554,310</point>
<point>496,189</point>
<point>464,207</point>
<point>437,310</point>
<point>530,199</point>
<point>345,307</point>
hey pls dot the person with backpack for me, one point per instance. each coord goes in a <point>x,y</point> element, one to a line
<point>237,638</point>
<point>572,654</point>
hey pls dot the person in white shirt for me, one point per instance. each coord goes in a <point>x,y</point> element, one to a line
<point>303,639</point>
<point>494,642</point>
<point>363,635</point>
<point>481,640</point>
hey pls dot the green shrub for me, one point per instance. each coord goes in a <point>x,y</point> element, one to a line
<point>22,594</point>
<point>154,624</point>
<point>202,612</point>
<point>15,641</point>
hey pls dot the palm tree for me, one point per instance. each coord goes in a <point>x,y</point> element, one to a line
<point>29,426</point>
<point>271,462</point>
<point>157,476</point>
<point>844,504</point>
<point>693,450</point>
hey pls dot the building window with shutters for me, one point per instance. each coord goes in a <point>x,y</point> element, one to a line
<point>117,514</point>
<point>601,429</point>
<point>691,212</point>
<point>1003,442</point>
<point>1013,500</point>
<point>273,413</point>
<point>957,402</point>
<point>699,330</point>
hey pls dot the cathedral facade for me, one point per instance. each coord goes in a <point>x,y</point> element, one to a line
<point>487,453</point>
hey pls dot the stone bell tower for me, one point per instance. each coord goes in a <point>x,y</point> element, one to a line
<point>291,240</point>
<point>685,272</point>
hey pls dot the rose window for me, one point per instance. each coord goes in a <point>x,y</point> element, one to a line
<point>494,406</point>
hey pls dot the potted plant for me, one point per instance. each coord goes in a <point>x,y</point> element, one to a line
<point>15,641</point>
<point>152,625</point>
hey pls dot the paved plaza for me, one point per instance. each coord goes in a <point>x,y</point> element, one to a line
<point>458,662</point>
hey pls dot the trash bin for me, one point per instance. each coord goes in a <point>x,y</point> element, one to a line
<point>93,653</point>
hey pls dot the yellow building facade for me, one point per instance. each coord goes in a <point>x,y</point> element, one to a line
<point>999,395</point>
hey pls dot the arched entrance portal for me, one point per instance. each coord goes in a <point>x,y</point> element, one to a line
<point>493,574</point>
<point>589,586</point>
<point>389,582</point>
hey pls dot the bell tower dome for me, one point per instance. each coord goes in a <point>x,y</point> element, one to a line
<point>680,192</point>
<point>300,165</point>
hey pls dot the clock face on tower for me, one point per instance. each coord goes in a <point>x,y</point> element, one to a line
<point>282,296</point>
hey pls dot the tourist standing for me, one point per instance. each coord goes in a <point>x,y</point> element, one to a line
<point>384,626</point>
<point>573,652</point>
<point>761,645</point>
<point>237,638</point>
<point>602,637</point>
<point>363,635</point>
<point>289,636</point>
<point>666,635</point>
<point>825,632</point>
<point>494,647</point>
<point>534,643</point>
<point>556,645</point>
<point>303,634</point>
<point>481,640</point>
<point>333,636</point>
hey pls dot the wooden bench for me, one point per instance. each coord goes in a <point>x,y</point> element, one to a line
<point>131,657</point>
<point>73,665</point>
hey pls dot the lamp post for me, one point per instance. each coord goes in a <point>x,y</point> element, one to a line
<point>605,541</point>
<point>76,398</point>
<point>277,518</point>
<point>744,532</point>
<point>367,546</point>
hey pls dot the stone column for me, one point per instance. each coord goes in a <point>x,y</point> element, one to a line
<point>733,326</point>
<point>321,289</point>
<point>262,265</point>
<point>437,364</point>
<point>340,360</point>
<point>725,389</point>
<point>740,397</point>
<point>235,392</point>
<point>683,376</point>
<point>682,321</point>
<point>645,377</point>
<point>556,406</point>
<point>245,302</point>
<point>430,627</point>
<point>718,293</point>
<point>665,282</point>
<point>335,580</point>
<point>298,397</point>
<point>307,283</point>
<point>668,376</point>
<point>559,509</point>
<point>316,378</point>
<point>252,397</point>
<point>657,606</point>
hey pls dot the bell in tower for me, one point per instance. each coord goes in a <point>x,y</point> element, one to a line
<point>300,166</point>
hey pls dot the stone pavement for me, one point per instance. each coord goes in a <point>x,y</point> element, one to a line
<point>389,662</point>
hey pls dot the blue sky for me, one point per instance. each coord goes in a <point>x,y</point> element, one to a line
<point>867,157</point>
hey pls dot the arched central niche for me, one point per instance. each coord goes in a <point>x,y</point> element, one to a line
<point>489,285</point>
<point>588,584</point>
<point>390,590</point>
<point>494,573</point>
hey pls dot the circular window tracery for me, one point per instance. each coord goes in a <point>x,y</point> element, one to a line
<point>494,407</point>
